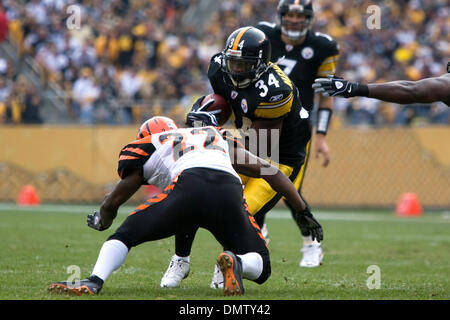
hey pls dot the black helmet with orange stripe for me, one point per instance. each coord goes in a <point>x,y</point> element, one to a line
<point>245,57</point>
<point>292,27</point>
<point>156,125</point>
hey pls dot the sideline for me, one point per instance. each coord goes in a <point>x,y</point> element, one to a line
<point>278,213</point>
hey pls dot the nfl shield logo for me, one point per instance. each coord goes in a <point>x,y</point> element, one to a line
<point>244,105</point>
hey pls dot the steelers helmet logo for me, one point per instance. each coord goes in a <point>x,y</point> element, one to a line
<point>307,53</point>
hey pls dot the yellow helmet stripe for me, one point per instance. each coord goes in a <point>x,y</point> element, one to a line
<point>238,38</point>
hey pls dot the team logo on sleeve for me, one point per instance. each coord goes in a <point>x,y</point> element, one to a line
<point>244,105</point>
<point>233,94</point>
<point>307,53</point>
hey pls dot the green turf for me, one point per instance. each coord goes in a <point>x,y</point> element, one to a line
<point>413,254</point>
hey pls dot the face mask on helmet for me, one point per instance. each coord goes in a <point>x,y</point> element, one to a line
<point>241,71</point>
<point>295,25</point>
<point>156,125</point>
<point>296,18</point>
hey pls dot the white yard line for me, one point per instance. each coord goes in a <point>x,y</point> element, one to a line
<point>438,217</point>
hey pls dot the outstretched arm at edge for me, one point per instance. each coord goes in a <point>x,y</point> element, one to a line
<point>404,92</point>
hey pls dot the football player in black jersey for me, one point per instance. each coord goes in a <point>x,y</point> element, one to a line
<point>304,55</point>
<point>264,101</point>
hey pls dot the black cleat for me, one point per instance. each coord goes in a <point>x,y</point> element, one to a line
<point>231,268</point>
<point>85,286</point>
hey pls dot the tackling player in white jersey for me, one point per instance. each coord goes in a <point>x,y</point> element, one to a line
<point>200,189</point>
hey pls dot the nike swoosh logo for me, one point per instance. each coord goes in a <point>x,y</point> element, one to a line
<point>349,89</point>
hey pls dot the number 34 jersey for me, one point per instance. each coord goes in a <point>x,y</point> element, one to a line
<point>272,96</point>
<point>315,58</point>
<point>163,156</point>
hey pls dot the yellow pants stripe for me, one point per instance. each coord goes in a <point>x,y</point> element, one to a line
<point>257,192</point>
<point>299,179</point>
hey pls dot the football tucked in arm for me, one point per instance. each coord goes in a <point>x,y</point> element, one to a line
<point>220,108</point>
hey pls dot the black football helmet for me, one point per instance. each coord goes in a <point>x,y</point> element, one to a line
<point>246,56</point>
<point>292,30</point>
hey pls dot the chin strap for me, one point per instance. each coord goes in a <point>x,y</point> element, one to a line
<point>239,85</point>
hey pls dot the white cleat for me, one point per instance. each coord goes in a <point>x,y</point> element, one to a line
<point>178,270</point>
<point>217,278</point>
<point>312,255</point>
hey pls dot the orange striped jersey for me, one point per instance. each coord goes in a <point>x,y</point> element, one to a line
<point>163,156</point>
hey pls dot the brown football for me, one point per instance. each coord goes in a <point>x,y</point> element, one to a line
<point>220,107</point>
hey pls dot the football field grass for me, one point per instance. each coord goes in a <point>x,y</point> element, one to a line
<point>412,255</point>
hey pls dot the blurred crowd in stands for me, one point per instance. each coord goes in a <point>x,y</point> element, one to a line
<point>121,61</point>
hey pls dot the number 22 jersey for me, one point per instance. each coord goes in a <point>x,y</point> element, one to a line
<point>163,156</point>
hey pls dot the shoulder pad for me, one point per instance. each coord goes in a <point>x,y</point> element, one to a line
<point>134,155</point>
<point>324,35</point>
<point>268,28</point>
<point>266,24</point>
<point>214,65</point>
<point>277,103</point>
<point>327,43</point>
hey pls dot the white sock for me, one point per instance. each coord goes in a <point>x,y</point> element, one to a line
<point>252,265</point>
<point>111,257</point>
<point>185,259</point>
<point>307,240</point>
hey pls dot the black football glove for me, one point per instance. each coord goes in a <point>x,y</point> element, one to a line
<point>336,86</point>
<point>198,117</point>
<point>95,221</point>
<point>308,223</point>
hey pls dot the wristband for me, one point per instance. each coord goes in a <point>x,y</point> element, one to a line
<point>323,120</point>
<point>361,90</point>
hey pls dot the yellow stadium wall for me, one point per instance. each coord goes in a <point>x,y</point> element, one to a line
<point>373,167</point>
<point>65,164</point>
<point>369,167</point>
<point>90,153</point>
